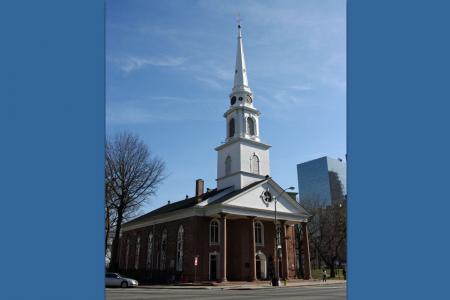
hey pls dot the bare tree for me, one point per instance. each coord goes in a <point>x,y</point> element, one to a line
<point>328,232</point>
<point>328,225</point>
<point>314,205</point>
<point>110,216</point>
<point>132,176</point>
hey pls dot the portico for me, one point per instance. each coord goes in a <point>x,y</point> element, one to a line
<point>242,258</point>
<point>247,242</point>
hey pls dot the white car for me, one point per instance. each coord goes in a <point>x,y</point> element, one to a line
<point>115,279</point>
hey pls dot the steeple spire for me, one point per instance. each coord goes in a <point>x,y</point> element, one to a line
<point>240,71</point>
<point>243,158</point>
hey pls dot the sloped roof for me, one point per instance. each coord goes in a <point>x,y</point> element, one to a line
<point>290,197</point>
<point>206,200</point>
<point>185,203</point>
<point>237,192</point>
<point>190,202</point>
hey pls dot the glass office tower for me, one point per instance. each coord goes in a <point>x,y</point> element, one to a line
<point>322,180</point>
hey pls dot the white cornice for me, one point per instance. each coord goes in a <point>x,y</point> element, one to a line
<point>242,107</point>
<point>163,218</point>
<point>257,176</point>
<point>224,207</point>
<point>258,213</point>
<point>211,210</point>
<point>244,141</point>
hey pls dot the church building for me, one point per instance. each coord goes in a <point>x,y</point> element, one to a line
<point>244,229</point>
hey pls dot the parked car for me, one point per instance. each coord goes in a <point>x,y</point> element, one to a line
<point>115,279</point>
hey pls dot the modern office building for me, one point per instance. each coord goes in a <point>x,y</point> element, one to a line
<point>323,179</point>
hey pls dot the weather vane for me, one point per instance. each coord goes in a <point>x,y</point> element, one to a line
<point>238,20</point>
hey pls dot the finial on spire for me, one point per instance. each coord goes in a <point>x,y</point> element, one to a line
<point>238,20</point>
<point>240,72</point>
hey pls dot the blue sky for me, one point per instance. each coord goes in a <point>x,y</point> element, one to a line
<point>170,70</point>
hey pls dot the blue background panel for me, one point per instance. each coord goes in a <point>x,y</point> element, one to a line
<point>51,160</point>
<point>398,149</point>
<point>52,135</point>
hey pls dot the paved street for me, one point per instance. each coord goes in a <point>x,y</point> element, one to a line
<point>328,292</point>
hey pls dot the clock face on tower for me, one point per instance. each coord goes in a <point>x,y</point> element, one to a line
<point>249,99</point>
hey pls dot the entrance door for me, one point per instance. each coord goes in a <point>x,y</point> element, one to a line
<point>213,267</point>
<point>258,268</point>
<point>261,266</point>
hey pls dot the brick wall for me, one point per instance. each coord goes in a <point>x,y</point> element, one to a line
<point>196,242</point>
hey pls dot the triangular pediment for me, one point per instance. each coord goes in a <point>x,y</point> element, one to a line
<point>253,199</point>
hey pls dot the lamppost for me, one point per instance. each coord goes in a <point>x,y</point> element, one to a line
<point>276,278</point>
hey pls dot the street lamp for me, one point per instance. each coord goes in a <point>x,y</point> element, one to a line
<point>276,279</point>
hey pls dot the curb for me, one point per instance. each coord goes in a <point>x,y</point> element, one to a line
<point>242,287</point>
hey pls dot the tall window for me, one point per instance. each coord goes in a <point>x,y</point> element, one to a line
<point>149,251</point>
<point>127,253</point>
<point>250,126</point>
<point>228,166</point>
<point>259,233</point>
<point>157,253</point>
<point>254,163</point>
<point>179,266</point>
<point>138,249</point>
<point>214,232</point>
<point>231,128</point>
<point>163,250</point>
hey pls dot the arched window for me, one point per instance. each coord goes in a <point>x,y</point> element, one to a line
<point>214,232</point>
<point>250,126</point>
<point>138,249</point>
<point>254,163</point>
<point>162,265</point>
<point>259,233</point>
<point>149,251</point>
<point>127,253</point>
<point>157,245</point>
<point>228,166</point>
<point>179,261</point>
<point>231,128</point>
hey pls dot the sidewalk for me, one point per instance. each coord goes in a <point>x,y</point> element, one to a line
<point>244,285</point>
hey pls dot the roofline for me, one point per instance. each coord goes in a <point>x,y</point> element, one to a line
<point>254,212</point>
<point>207,211</point>
<point>220,207</point>
<point>256,176</point>
<point>164,217</point>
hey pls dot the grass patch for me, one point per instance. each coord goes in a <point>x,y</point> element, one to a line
<point>317,274</point>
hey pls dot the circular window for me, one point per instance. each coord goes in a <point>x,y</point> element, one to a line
<point>233,100</point>
<point>240,98</point>
<point>266,197</point>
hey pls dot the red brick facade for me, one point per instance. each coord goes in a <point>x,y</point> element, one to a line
<point>241,262</point>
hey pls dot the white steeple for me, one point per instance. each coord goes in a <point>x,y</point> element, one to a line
<point>243,158</point>
<point>240,71</point>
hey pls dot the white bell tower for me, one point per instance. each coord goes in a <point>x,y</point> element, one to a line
<point>243,158</point>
